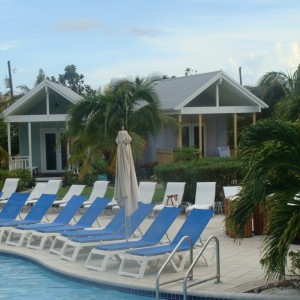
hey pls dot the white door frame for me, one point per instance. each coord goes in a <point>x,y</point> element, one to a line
<point>58,151</point>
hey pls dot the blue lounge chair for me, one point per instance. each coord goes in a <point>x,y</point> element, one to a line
<point>112,227</point>
<point>152,236</point>
<point>72,246</point>
<point>192,227</point>
<point>39,237</point>
<point>18,234</point>
<point>13,206</point>
<point>35,215</point>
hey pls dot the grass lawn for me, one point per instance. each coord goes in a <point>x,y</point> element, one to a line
<point>158,195</point>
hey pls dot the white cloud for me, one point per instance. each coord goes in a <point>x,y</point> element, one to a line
<point>79,25</point>
<point>282,57</point>
<point>288,54</point>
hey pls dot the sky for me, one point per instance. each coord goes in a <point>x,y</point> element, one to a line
<point>109,38</point>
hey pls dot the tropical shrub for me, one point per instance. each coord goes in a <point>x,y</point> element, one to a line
<point>26,179</point>
<point>224,170</point>
<point>96,168</point>
<point>186,154</point>
<point>270,157</point>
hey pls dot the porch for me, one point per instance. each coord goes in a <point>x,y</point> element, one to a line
<point>22,162</point>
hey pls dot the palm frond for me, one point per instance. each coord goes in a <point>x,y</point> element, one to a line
<point>270,158</point>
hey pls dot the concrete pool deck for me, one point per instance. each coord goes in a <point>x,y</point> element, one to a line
<point>240,267</point>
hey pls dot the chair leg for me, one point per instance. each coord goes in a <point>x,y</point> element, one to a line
<point>142,261</point>
<point>103,262</point>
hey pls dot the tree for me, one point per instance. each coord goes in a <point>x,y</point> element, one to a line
<point>94,122</point>
<point>24,88</point>
<point>270,156</point>
<point>75,81</point>
<point>40,78</point>
<point>189,71</point>
<point>281,92</point>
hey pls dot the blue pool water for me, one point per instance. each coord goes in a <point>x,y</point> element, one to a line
<point>24,280</point>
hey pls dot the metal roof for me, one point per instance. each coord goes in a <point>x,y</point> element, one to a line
<point>178,93</point>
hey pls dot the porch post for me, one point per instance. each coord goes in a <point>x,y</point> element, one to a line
<point>235,133</point>
<point>47,100</point>
<point>254,118</point>
<point>29,146</point>
<point>179,137</point>
<point>9,144</point>
<point>217,95</point>
<point>200,135</point>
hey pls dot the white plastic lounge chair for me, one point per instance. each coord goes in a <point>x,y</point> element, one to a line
<point>231,191</point>
<point>53,186</point>
<point>205,196</point>
<point>36,193</point>
<point>173,196</point>
<point>9,187</point>
<point>99,190</point>
<point>224,151</point>
<point>146,193</point>
<point>75,189</point>
<point>193,227</point>
<point>112,203</point>
<point>107,252</point>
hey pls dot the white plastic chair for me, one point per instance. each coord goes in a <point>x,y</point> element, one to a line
<point>205,196</point>
<point>75,189</point>
<point>230,192</point>
<point>99,190</point>
<point>175,189</point>
<point>224,151</point>
<point>53,186</point>
<point>9,187</point>
<point>146,192</point>
<point>36,193</point>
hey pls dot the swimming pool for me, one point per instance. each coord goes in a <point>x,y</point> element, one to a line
<point>25,280</point>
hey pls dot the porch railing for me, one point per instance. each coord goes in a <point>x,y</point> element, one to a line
<point>19,162</point>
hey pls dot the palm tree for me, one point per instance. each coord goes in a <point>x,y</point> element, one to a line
<point>131,104</point>
<point>270,156</point>
<point>281,91</point>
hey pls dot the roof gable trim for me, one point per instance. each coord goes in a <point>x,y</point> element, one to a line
<point>199,91</point>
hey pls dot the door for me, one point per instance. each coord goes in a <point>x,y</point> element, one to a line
<point>190,137</point>
<point>54,152</point>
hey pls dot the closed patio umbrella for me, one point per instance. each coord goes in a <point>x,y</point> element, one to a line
<point>126,186</point>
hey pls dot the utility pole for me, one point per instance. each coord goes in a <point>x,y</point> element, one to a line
<point>240,72</point>
<point>10,80</point>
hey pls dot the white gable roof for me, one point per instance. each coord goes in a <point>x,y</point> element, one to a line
<point>64,91</point>
<point>176,94</point>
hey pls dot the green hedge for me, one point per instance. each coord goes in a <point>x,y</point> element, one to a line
<point>26,179</point>
<point>224,171</point>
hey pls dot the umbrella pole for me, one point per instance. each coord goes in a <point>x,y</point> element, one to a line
<point>127,222</point>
